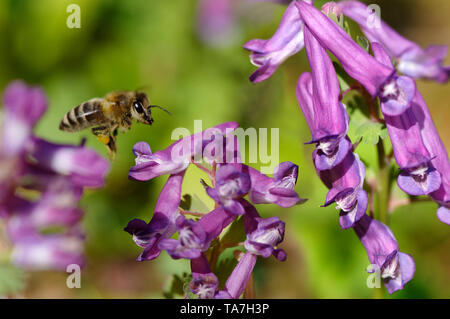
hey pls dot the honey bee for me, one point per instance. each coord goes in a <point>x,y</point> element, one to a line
<point>106,115</point>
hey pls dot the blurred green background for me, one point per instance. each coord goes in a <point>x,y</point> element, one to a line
<point>124,45</point>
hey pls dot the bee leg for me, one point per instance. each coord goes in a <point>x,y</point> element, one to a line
<point>104,136</point>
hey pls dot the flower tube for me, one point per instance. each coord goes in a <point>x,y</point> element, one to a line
<point>162,225</point>
<point>396,268</point>
<point>412,59</point>
<point>328,120</point>
<point>268,55</point>
<point>278,190</point>
<point>176,157</point>
<point>195,237</point>
<point>379,80</point>
<point>418,176</point>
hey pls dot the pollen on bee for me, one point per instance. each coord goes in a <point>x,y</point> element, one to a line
<point>103,139</point>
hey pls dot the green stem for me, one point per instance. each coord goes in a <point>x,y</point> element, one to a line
<point>384,186</point>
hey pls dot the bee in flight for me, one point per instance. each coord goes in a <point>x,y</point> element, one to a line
<point>106,115</point>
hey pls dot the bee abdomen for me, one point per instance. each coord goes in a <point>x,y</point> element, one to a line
<point>82,116</point>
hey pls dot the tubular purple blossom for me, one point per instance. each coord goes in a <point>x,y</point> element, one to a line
<point>318,97</point>
<point>263,235</point>
<point>412,59</point>
<point>396,268</point>
<point>345,182</point>
<point>439,156</point>
<point>204,282</point>
<point>267,55</point>
<point>418,176</point>
<point>235,284</point>
<point>195,237</point>
<point>176,157</point>
<point>232,182</point>
<point>380,81</point>
<point>277,190</point>
<point>162,225</point>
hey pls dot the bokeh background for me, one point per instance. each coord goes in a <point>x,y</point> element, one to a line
<point>198,72</point>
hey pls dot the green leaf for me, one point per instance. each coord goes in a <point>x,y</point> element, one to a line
<point>197,205</point>
<point>186,202</point>
<point>370,132</point>
<point>345,81</point>
<point>234,233</point>
<point>12,279</point>
<point>177,286</point>
<point>225,265</point>
<point>363,42</point>
<point>186,290</point>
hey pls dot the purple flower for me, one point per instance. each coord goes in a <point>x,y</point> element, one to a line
<point>232,182</point>
<point>379,80</point>
<point>263,235</point>
<point>236,282</point>
<point>396,268</point>
<point>204,282</point>
<point>82,165</point>
<point>216,22</point>
<point>48,252</point>
<point>418,176</point>
<point>439,156</point>
<point>345,182</point>
<point>267,55</point>
<point>162,225</point>
<point>412,59</point>
<point>56,175</point>
<point>24,106</point>
<point>195,237</point>
<point>331,144</point>
<point>177,157</point>
<point>277,190</point>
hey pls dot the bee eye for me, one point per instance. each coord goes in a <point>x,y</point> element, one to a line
<point>138,107</point>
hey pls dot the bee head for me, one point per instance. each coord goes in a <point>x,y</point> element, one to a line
<point>141,109</point>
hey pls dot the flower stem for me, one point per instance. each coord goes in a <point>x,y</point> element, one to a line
<point>384,186</point>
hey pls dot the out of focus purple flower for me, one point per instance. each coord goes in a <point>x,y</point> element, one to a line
<point>42,252</point>
<point>216,22</point>
<point>396,268</point>
<point>23,107</point>
<point>57,175</point>
<point>232,182</point>
<point>82,165</point>
<point>267,55</point>
<point>411,59</point>
<point>162,225</point>
<point>204,282</point>
<point>177,157</point>
<point>396,92</point>
<point>196,237</point>
<point>278,190</point>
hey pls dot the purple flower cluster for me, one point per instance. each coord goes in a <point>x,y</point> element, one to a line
<point>417,147</point>
<point>231,182</point>
<point>41,184</point>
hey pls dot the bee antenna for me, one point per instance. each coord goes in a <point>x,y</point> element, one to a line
<point>161,108</point>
